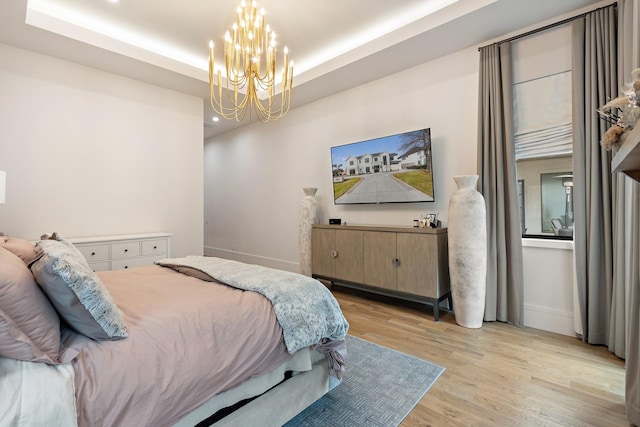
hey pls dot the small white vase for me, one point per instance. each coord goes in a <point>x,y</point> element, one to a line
<point>467,234</point>
<point>308,216</point>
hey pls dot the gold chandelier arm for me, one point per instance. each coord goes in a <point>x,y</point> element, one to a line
<point>250,55</point>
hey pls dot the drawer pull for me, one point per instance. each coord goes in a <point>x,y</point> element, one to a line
<point>396,262</point>
<point>155,247</point>
<point>126,250</point>
<point>334,254</point>
<point>93,254</point>
<point>126,266</point>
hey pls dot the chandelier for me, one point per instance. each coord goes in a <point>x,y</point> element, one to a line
<point>250,63</point>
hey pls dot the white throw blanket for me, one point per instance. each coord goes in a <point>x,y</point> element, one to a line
<point>306,310</point>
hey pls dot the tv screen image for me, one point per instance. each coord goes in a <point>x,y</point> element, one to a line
<point>390,169</point>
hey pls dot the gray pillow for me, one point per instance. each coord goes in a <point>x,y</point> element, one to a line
<point>76,291</point>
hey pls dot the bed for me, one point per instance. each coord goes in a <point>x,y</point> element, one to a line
<point>188,341</point>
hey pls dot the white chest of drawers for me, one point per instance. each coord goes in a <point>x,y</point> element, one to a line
<point>123,251</point>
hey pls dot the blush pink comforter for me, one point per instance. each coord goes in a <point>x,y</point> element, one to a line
<point>188,340</point>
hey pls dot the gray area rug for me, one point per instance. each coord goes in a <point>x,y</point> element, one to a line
<point>380,387</point>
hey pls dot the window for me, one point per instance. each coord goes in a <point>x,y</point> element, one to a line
<point>543,134</point>
<point>557,203</point>
<point>521,205</point>
<point>545,188</point>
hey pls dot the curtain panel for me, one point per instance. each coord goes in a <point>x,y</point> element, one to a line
<point>607,237</point>
<point>498,185</point>
<point>595,82</point>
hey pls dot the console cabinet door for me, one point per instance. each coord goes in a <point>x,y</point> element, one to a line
<point>417,271</point>
<point>337,254</point>
<point>323,243</point>
<point>379,259</point>
<point>349,262</point>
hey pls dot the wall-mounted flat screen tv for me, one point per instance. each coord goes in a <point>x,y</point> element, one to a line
<point>391,169</point>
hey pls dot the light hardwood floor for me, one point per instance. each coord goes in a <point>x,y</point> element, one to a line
<point>498,375</point>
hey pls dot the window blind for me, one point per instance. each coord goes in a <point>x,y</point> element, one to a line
<point>542,120</point>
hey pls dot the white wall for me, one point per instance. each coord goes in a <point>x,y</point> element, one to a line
<point>91,153</point>
<point>254,176</point>
<point>548,285</point>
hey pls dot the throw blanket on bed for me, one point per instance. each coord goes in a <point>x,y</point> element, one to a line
<point>306,310</point>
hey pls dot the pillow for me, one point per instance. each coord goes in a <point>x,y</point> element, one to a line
<point>76,291</point>
<point>24,249</point>
<point>29,326</point>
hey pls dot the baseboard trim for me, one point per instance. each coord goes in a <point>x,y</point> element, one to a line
<point>549,319</point>
<point>252,259</point>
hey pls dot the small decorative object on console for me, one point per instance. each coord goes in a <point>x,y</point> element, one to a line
<point>432,219</point>
<point>428,220</point>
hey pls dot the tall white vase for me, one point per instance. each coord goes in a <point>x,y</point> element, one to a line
<point>467,235</point>
<point>308,217</point>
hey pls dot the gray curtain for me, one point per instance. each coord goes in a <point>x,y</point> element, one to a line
<point>625,326</point>
<point>607,211</point>
<point>595,81</point>
<point>498,185</point>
